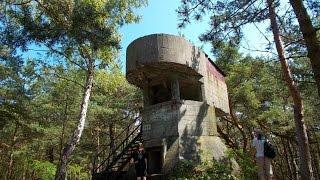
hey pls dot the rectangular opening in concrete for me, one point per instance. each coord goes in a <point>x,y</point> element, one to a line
<point>160,93</point>
<point>154,160</point>
<point>190,90</point>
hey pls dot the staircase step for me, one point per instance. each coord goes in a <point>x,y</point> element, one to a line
<point>123,154</point>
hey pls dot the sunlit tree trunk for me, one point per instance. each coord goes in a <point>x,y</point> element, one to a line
<point>302,138</point>
<point>65,118</point>
<point>112,138</point>
<point>75,138</point>
<point>286,156</point>
<point>314,154</point>
<point>293,162</point>
<point>97,134</point>
<point>310,36</point>
<point>227,138</point>
<point>236,122</point>
<point>10,157</point>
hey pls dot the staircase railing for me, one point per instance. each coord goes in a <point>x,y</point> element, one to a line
<point>123,148</point>
<point>123,141</point>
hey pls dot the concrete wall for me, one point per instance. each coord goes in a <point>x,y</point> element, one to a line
<point>157,48</point>
<point>162,48</point>
<point>216,89</point>
<point>160,121</point>
<point>183,129</point>
<point>197,119</point>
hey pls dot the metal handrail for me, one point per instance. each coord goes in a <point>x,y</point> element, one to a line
<point>122,150</point>
<point>122,132</point>
<point>117,148</point>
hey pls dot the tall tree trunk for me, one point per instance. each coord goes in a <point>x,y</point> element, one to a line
<point>302,138</point>
<point>96,133</point>
<point>310,36</point>
<point>236,123</point>
<point>314,154</point>
<point>10,166</point>
<point>75,138</point>
<point>286,156</point>
<point>65,118</point>
<point>112,138</point>
<point>10,157</point>
<point>227,138</point>
<point>292,160</point>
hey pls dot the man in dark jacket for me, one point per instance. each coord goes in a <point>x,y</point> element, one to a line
<point>140,162</point>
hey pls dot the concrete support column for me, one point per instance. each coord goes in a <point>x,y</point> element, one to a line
<point>202,90</point>
<point>175,89</point>
<point>146,94</point>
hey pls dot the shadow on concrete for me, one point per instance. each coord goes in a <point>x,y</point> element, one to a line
<point>189,138</point>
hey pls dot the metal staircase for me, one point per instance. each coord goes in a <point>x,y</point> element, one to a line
<point>109,163</point>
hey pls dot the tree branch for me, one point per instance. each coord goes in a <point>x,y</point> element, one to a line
<point>262,33</point>
<point>67,79</point>
<point>68,58</point>
<point>257,50</point>
<point>22,3</point>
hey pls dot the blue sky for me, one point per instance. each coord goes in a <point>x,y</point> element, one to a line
<point>160,17</point>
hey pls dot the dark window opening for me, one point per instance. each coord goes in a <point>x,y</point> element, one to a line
<point>190,91</point>
<point>160,93</point>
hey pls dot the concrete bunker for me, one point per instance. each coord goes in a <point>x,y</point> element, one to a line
<point>184,92</point>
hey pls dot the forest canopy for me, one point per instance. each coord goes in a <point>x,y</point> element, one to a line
<point>64,97</point>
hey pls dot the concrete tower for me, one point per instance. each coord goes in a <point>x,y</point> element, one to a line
<point>184,93</point>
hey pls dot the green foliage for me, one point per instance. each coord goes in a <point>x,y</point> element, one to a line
<point>206,170</point>
<point>40,98</point>
<point>248,169</point>
<point>260,99</point>
<point>227,18</point>
<point>76,171</point>
<point>44,169</point>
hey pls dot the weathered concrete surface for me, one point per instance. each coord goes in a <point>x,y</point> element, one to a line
<point>187,128</point>
<point>216,89</point>
<point>178,128</point>
<point>160,121</point>
<point>157,48</point>
<point>149,56</point>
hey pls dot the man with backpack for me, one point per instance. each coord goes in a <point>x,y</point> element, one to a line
<point>263,155</point>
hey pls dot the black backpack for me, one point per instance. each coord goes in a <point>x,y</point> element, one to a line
<point>269,150</point>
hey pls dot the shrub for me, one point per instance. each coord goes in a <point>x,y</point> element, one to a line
<point>206,170</point>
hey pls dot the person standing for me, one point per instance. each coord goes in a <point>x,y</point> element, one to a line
<point>263,163</point>
<point>140,162</point>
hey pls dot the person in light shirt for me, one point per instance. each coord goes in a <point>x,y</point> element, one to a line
<point>263,163</point>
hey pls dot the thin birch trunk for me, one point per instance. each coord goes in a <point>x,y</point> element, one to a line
<point>75,138</point>
<point>302,138</point>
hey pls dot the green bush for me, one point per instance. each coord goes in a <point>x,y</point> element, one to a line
<point>217,170</point>
<point>212,170</point>
<point>44,169</point>
<point>77,172</point>
<point>246,163</point>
